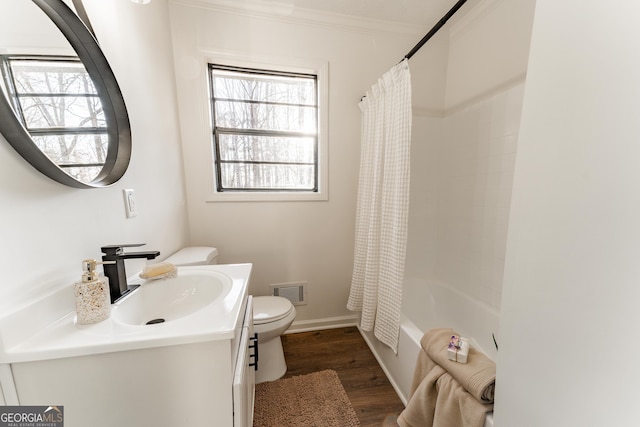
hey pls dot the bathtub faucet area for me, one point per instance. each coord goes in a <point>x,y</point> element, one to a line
<point>114,268</point>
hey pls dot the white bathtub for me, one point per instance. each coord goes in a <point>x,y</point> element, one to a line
<point>478,320</point>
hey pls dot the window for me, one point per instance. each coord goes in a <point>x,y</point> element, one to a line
<point>265,130</point>
<point>59,106</point>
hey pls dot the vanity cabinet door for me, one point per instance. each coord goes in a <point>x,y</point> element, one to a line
<point>244,379</point>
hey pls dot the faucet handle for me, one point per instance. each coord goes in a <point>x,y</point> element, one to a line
<point>117,249</point>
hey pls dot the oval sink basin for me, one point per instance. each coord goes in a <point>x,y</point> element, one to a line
<point>159,301</point>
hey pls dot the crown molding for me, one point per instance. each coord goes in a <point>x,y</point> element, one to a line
<point>283,12</point>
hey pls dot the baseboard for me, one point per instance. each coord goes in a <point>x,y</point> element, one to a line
<point>374,349</point>
<point>320,324</point>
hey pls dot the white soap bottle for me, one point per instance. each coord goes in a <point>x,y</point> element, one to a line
<point>93,302</point>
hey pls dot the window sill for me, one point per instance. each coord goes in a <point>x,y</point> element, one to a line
<point>267,197</point>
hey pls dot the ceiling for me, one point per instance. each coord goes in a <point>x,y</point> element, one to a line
<point>419,15</point>
<point>415,12</point>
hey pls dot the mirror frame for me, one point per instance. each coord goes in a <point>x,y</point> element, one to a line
<point>115,111</point>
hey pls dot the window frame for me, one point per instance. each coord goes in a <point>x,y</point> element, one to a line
<point>219,131</point>
<point>13,95</point>
<point>317,68</point>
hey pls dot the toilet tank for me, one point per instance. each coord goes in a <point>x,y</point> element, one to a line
<point>194,255</point>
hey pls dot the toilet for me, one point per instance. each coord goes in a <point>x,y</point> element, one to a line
<point>194,255</point>
<point>272,316</point>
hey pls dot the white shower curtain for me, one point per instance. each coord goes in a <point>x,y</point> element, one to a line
<point>383,205</point>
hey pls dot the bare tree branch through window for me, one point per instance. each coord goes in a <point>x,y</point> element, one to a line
<point>265,129</point>
<point>60,108</point>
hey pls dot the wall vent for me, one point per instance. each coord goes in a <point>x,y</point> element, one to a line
<point>294,292</point>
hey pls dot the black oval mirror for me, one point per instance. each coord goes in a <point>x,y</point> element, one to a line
<point>44,125</point>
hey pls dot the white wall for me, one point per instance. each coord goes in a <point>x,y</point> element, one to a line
<point>286,241</point>
<point>489,50</point>
<point>462,168</point>
<point>40,37</point>
<point>568,353</point>
<point>46,228</point>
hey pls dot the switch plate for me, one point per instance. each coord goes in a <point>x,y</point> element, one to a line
<point>130,203</point>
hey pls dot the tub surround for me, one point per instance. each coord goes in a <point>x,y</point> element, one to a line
<point>445,307</point>
<point>399,368</point>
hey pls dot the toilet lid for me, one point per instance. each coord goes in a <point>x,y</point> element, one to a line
<point>270,309</point>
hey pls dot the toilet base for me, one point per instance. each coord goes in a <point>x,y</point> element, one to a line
<point>271,363</point>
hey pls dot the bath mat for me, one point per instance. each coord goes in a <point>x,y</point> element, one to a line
<point>312,400</point>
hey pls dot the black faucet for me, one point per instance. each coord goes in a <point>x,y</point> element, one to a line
<point>114,257</point>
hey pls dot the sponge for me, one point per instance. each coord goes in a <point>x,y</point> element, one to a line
<point>161,270</point>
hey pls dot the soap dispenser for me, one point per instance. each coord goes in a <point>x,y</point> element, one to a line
<point>93,303</point>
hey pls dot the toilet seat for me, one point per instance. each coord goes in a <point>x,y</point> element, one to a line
<point>270,309</point>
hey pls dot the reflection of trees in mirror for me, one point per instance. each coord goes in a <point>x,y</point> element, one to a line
<point>57,103</point>
<point>265,126</point>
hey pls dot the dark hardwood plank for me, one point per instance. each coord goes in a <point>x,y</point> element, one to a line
<point>345,351</point>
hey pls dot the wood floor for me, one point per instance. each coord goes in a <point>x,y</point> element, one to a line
<point>345,351</point>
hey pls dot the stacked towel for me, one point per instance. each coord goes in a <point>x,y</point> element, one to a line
<point>446,393</point>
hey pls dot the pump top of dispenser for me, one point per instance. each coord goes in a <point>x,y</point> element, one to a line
<point>89,270</point>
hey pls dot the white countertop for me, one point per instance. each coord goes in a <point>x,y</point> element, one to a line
<point>46,329</point>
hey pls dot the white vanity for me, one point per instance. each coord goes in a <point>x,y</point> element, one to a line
<point>193,368</point>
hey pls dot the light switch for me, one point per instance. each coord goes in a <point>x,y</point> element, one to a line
<point>130,203</point>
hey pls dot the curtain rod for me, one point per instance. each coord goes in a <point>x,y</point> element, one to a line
<point>82,14</point>
<point>435,29</point>
<point>432,32</point>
